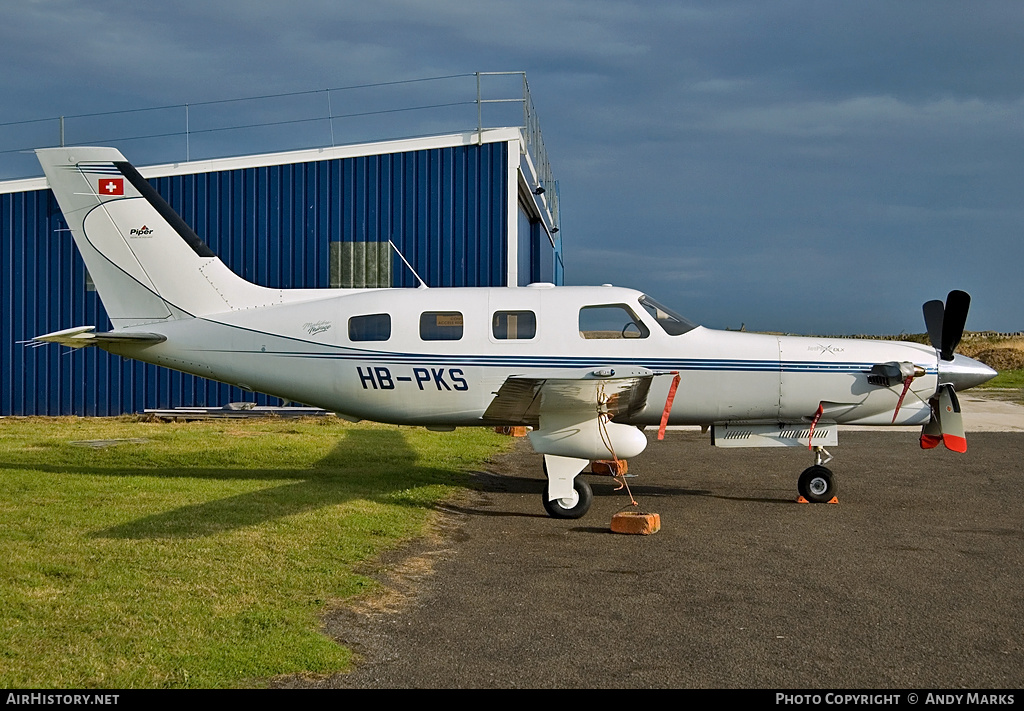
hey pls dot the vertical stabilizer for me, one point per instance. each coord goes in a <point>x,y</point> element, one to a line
<point>147,263</point>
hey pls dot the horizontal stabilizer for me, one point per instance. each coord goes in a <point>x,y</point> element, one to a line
<point>82,336</point>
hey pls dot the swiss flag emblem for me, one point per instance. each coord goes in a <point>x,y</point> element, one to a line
<point>111,186</point>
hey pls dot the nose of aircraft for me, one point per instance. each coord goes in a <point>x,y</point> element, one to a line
<point>963,372</point>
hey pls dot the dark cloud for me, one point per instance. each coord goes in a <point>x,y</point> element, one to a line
<point>797,166</point>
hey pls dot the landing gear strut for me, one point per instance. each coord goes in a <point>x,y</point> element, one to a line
<point>817,483</point>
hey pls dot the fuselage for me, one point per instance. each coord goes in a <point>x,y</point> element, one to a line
<point>438,356</point>
<point>580,365</point>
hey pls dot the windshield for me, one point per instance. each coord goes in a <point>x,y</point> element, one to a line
<point>672,323</point>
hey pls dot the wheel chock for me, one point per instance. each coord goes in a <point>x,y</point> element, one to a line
<point>634,522</point>
<point>511,431</point>
<point>609,467</point>
<point>802,500</point>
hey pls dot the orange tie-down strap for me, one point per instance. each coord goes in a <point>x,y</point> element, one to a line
<point>668,404</point>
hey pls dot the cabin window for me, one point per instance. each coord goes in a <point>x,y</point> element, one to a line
<point>610,322</point>
<point>514,325</point>
<point>441,325</point>
<point>372,327</point>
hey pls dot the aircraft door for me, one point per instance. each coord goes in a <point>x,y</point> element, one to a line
<point>800,383</point>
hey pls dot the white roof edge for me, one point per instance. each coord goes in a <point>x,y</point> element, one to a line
<point>308,155</point>
<point>23,185</point>
<point>311,155</point>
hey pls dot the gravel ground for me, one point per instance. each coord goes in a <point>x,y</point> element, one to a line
<point>912,581</point>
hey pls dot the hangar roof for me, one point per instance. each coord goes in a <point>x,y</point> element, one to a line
<point>308,155</point>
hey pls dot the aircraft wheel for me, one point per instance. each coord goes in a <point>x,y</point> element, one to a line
<point>817,484</point>
<point>575,507</point>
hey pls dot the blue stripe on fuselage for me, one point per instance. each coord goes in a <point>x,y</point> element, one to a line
<point>692,364</point>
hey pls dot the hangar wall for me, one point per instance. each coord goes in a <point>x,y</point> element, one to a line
<point>459,207</point>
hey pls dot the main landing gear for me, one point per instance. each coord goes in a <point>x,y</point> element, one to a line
<point>572,496</point>
<point>817,483</point>
<point>574,506</point>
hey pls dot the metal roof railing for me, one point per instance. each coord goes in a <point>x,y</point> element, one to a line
<point>294,120</point>
<point>533,139</point>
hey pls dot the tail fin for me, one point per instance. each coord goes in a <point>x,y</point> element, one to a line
<point>147,263</point>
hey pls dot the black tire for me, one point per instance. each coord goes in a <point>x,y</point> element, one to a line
<point>556,509</point>
<point>817,484</point>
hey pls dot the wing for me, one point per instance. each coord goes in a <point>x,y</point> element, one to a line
<point>619,392</point>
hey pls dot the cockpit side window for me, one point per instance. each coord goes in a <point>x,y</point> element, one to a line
<point>610,321</point>
<point>672,323</point>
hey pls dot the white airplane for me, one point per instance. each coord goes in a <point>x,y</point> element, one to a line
<point>585,367</point>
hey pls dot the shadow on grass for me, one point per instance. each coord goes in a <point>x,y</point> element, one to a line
<point>386,464</point>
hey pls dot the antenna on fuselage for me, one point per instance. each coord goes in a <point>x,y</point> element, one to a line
<point>423,284</point>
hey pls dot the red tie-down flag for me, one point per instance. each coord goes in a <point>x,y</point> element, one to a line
<point>111,186</point>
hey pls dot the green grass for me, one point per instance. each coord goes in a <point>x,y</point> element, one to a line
<point>205,555</point>
<point>1006,379</point>
<point>1008,385</point>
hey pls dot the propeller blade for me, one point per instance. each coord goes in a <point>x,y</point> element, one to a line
<point>946,424</point>
<point>931,434</point>
<point>945,324</point>
<point>953,321</point>
<point>951,421</point>
<point>933,313</point>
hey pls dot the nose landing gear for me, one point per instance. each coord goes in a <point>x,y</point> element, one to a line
<point>817,484</point>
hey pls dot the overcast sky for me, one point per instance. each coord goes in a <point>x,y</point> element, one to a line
<point>810,167</point>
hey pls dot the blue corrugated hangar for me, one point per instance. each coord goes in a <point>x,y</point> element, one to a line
<point>464,209</point>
